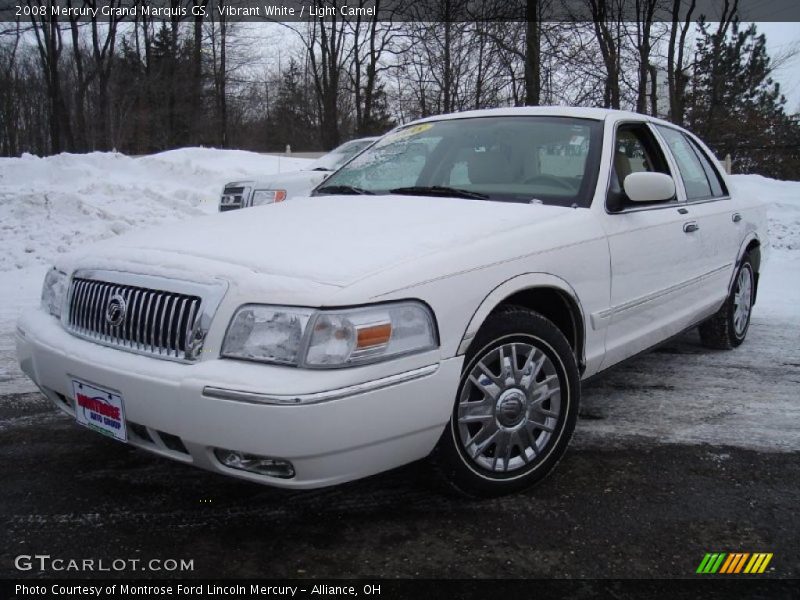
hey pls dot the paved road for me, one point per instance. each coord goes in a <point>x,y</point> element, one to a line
<point>679,452</point>
<point>624,508</point>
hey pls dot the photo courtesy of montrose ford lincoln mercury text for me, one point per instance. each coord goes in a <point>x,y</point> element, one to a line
<point>442,295</point>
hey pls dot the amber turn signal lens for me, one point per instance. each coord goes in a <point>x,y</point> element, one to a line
<point>374,335</point>
<point>280,195</point>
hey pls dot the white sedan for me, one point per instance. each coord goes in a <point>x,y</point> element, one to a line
<point>443,294</point>
<point>282,186</point>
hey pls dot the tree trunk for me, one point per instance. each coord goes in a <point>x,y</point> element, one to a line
<point>608,50</point>
<point>654,90</point>
<point>644,26</point>
<point>223,87</point>
<point>533,59</point>
<point>447,73</point>
<point>197,77</point>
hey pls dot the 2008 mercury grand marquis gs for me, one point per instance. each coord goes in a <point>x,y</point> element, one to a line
<point>442,294</point>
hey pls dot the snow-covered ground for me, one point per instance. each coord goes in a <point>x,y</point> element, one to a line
<point>57,204</point>
<point>748,397</point>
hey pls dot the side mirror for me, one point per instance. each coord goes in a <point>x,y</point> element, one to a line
<point>649,187</point>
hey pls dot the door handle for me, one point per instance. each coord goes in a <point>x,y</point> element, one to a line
<point>690,226</point>
<point>736,217</point>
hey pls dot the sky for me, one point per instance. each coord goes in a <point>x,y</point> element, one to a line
<point>782,37</point>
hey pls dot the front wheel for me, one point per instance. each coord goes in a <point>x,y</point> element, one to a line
<point>515,408</point>
<point>728,327</point>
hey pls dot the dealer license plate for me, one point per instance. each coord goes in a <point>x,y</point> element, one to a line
<point>99,409</point>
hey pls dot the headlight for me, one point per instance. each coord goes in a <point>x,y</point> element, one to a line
<point>268,333</point>
<point>53,291</point>
<point>268,196</point>
<point>329,338</point>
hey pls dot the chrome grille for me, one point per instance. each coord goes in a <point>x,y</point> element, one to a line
<point>233,197</point>
<point>161,323</point>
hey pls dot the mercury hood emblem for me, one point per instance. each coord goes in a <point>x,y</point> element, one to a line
<point>115,310</point>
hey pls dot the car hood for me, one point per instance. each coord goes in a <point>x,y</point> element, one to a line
<point>333,240</point>
<point>283,180</point>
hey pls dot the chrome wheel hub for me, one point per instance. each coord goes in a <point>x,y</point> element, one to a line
<point>742,300</point>
<point>509,407</point>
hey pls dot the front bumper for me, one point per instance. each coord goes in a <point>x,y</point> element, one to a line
<point>177,410</point>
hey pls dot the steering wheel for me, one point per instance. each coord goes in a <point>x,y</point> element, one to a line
<point>550,179</point>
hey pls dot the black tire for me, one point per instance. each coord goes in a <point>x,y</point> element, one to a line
<point>513,409</point>
<point>721,332</point>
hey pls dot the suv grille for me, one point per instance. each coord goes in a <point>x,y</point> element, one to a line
<point>232,198</point>
<point>142,319</point>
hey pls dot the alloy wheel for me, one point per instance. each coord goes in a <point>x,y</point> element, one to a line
<point>509,407</point>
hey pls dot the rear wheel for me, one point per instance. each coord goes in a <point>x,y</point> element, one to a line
<point>515,409</point>
<point>728,327</point>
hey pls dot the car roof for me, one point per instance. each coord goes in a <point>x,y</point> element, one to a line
<point>598,114</point>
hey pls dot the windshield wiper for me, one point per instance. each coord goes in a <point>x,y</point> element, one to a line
<point>439,190</point>
<point>343,189</point>
<point>321,169</point>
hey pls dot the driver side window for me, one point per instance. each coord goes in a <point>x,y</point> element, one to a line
<point>635,150</point>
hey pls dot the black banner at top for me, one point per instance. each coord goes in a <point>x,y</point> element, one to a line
<point>396,10</point>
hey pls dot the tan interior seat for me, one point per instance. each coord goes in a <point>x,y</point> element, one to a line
<point>622,166</point>
<point>492,166</point>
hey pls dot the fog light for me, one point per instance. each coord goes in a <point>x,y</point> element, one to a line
<point>262,465</point>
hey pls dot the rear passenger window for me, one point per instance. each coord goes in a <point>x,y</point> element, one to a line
<point>717,186</point>
<point>700,178</point>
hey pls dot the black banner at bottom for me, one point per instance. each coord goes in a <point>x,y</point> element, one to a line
<point>391,589</point>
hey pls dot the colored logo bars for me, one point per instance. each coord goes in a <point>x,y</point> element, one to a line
<point>734,562</point>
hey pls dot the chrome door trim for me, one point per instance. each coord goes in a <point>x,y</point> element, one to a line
<point>599,319</point>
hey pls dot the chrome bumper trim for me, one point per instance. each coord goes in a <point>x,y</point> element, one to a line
<point>317,397</point>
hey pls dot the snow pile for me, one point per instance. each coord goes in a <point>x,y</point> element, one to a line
<point>53,205</point>
<point>783,198</point>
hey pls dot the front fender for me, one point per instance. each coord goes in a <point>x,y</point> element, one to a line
<point>508,288</point>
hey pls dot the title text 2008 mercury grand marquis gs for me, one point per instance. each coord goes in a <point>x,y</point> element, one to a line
<point>442,294</point>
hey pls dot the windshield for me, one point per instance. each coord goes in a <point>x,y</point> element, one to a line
<point>338,156</point>
<point>552,160</point>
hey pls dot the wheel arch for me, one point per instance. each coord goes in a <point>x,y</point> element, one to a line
<point>545,293</point>
<point>751,246</point>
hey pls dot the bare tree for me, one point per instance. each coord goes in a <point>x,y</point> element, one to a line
<point>49,42</point>
<point>218,34</point>
<point>103,38</point>
<point>643,42</point>
<point>728,16</point>
<point>606,16</point>
<point>533,48</point>
<point>9,108</point>
<point>325,41</point>
<point>372,40</point>
<point>198,12</point>
<point>677,77</point>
